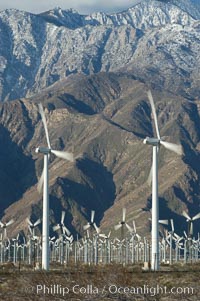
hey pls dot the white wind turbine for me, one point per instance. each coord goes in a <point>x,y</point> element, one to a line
<point>190,221</point>
<point>122,223</point>
<point>91,223</point>
<point>32,226</point>
<point>46,151</point>
<point>4,226</point>
<point>61,225</point>
<point>156,143</point>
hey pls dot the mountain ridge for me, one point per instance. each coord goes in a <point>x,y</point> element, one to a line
<point>101,18</point>
<point>110,171</point>
<point>32,60</point>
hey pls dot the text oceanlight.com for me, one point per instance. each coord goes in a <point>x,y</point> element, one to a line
<point>112,289</point>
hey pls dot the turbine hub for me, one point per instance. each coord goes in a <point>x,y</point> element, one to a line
<point>152,141</point>
<point>43,150</point>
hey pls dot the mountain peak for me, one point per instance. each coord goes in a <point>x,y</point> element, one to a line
<point>69,18</point>
<point>61,11</point>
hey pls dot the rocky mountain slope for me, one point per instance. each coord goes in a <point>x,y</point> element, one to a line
<point>105,132</point>
<point>91,73</point>
<point>38,50</point>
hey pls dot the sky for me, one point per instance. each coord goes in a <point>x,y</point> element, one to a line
<point>82,6</point>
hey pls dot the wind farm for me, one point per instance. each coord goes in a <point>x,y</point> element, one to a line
<point>54,247</point>
<point>95,247</point>
<point>99,248</point>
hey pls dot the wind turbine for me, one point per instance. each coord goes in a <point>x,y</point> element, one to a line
<point>133,233</point>
<point>92,223</point>
<point>106,244</point>
<point>64,236</point>
<point>4,226</point>
<point>61,226</point>
<point>32,226</point>
<point>190,221</point>
<point>156,143</point>
<point>47,151</point>
<point>122,223</point>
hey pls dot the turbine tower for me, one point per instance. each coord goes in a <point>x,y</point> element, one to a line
<point>156,143</point>
<point>46,151</point>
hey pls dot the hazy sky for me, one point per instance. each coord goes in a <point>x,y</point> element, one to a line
<point>83,6</point>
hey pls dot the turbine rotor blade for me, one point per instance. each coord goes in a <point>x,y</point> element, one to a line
<point>37,222</point>
<point>134,226</point>
<point>56,228</point>
<point>129,228</point>
<point>163,221</point>
<point>62,217</point>
<point>176,236</point>
<point>149,94</point>
<point>117,227</point>
<point>86,227</point>
<point>29,222</point>
<point>172,224</point>
<point>96,228</point>
<point>63,155</point>
<point>196,216</point>
<point>123,214</point>
<point>68,238</point>
<point>138,236</point>
<point>10,222</point>
<point>66,231</point>
<point>176,148</point>
<point>102,235</point>
<point>30,229</point>
<point>186,215</point>
<point>92,216</point>
<point>41,111</point>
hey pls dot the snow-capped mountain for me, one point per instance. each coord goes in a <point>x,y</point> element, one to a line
<point>142,14</point>
<point>38,50</point>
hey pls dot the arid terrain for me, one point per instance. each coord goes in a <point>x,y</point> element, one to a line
<point>102,283</point>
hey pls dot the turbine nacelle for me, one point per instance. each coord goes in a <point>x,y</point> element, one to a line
<point>43,150</point>
<point>152,141</point>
